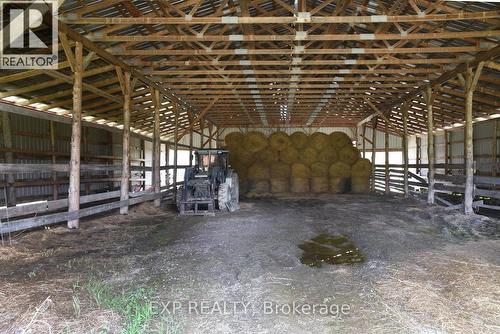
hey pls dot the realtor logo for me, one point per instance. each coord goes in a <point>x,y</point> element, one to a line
<point>28,36</point>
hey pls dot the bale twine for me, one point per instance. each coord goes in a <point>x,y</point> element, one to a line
<point>268,156</point>
<point>300,171</point>
<point>289,155</point>
<point>255,141</point>
<point>279,141</point>
<point>308,156</point>
<point>319,141</point>
<point>362,167</point>
<point>349,155</point>
<point>328,156</point>
<point>258,171</point>
<point>280,185</point>
<point>299,185</point>
<point>234,139</point>
<point>280,170</point>
<point>340,169</point>
<point>339,140</point>
<point>319,169</point>
<point>299,140</point>
<point>338,184</point>
<point>259,186</point>
<point>319,184</point>
<point>360,184</point>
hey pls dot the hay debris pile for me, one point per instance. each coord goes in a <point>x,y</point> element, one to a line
<point>298,163</point>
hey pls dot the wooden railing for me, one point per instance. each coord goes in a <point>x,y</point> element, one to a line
<point>486,188</point>
<point>42,212</point>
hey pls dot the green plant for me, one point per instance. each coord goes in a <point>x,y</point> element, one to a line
<point>134,305</point>
<point>76,306</point>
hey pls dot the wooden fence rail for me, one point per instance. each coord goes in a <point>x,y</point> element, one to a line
<point>485,187</point>
<point>44,217</point>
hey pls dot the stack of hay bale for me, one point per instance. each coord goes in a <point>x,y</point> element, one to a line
<point>298,163</point>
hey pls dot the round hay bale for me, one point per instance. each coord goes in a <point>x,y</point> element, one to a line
<point>244,186</point>
<point>299,185</point>
<point>308,156</point>
<point>328,156</point>
<point>258,171</point>
<point>234,139</point>
<point>362,167</point>
<point>339,185</point>
<point>360,184</point>
<point>279,141</point>
<point>268,156</point>
<point>289,155</point>
<point>349,155</point>
<point>299,140</point>
<point>240,168</point>
<point>300,171</point>
<point>319,141</point>
<point>319,184</point>
<point>259,186</point>
<point>241,156</point>
<point>280,185</point>
<point>255,141</point>
<point>340,169</point>
<point>319,169</point>
<point>280,170</point>
<point>339,140</point>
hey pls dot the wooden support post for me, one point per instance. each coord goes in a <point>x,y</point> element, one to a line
<point>142,163</point>
<point>374,150</point>
<point>364,140</point>
<point>429,100</point>
<point>167,159</point>
<point>191,148</point>
<point>217,138</point>
<point>176,141</point>
<point>405,108</point>
<point>494,148</point>
<point>387,171</point>
<point>156,145</point>
<point>202,127</point>
<point>419,154</point>
<point>446,151</point>
<point>469,83</point>
<point>125,81</point>
<point>76,135</point>
<point>52,132</point>
<point>210,133</point>
<point>11,199</point>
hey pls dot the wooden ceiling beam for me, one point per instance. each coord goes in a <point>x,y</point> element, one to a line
<point>74,18</point>
<point>119,51</point>
<point>99,37</point>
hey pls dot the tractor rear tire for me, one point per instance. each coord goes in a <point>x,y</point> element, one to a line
<point>223,196</point>
<point>235,190</point>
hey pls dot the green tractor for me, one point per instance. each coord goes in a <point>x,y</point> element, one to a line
<point>210,184</point>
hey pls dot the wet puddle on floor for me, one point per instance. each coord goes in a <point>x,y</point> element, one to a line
<point>329,249</point>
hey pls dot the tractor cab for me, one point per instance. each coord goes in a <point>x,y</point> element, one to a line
<point>212,164</point>
<point>208,184</point>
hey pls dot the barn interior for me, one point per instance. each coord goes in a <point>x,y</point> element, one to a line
<point>356,185</point>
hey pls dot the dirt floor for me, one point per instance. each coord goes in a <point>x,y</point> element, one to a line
<point>425,271</point>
